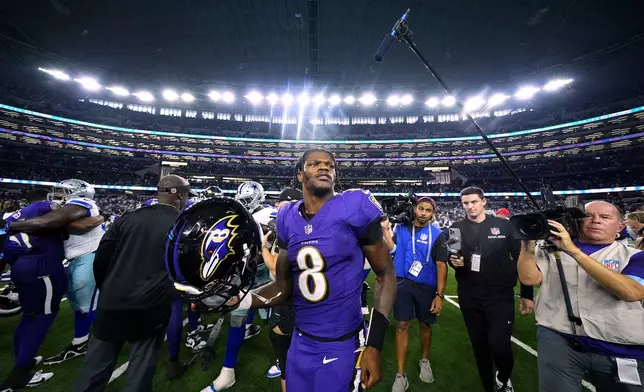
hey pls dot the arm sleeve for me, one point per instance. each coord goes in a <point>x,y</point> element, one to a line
<point>47,207</point>
<point>105,252</point>
<point>635,268</point>
<point>439,251</point>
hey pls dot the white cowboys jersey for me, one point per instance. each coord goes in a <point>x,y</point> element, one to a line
<point>80,245</point>
<point>264,215</point>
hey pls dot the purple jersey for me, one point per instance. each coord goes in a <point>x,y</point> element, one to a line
<point>42,243</point>
<point>327,260</point>
<point>151,202</point>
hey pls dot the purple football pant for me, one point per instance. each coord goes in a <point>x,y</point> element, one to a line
<point>315,366</point>
<point>40,282</point>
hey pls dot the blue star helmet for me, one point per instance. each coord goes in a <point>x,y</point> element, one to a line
<point>251,195</point>
<point>213,252</point>
<point>71,189</point>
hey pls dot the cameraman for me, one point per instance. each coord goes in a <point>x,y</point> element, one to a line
<point>486,274</point>
<point>605,281</point>
<point>420,257</point>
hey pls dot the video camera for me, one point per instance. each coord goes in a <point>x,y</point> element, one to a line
<point>270,226</point>
<point>399,209</point>
<point>534,226</point>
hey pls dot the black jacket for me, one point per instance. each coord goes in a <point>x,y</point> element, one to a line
<point>134,289</point>
<point>499,252</point>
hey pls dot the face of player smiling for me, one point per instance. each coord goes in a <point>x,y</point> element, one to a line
<point>318,176</point>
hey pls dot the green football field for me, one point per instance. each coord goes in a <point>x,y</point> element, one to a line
<point>451,357</point>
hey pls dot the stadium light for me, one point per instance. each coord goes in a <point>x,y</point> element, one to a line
<point>368,99</point>
<point>556,84</point>
<point>60,75</point>
<point>349,100</point>
<point>119,91</point>
<point>215,96</point>
<point>319,100</point>
<point>272,98</point>
<point>303,99</point>
<point>432,102</point>
<point>228,97</point>
<point>406,99</point>
<point>526,92</point>
<point>254,97</point>
<point>393,100</point>
<point>287,99</point>
<point>449,101</point>
<point>187,97</point>
<point>89,84</point>
<point>497,99</point>
<point>473,103</point>
<point>170,95</point>
<point>335,100</point>
<point>144,96</point>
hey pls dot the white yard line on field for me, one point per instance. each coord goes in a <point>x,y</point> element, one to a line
<point>118,372</point>
<point>586,384</point>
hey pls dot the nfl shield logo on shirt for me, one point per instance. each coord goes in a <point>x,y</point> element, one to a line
<point>308,229</point>
<point>423,237</point>
<point>495,231</point>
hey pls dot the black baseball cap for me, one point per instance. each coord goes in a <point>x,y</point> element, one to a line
<point>290,194</point>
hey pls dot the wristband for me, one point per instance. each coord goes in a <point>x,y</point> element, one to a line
<point>246,302</point>
<point>442,296</point>
<point>378,325</point>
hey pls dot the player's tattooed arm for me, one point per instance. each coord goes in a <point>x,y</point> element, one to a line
<point>52,220</point>
<point>84,225</point>
<point>276,292</point>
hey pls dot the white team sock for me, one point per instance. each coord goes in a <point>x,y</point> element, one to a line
<point>225,380</point>
<point>77,341</point>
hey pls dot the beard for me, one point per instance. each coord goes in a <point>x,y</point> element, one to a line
<point>321,192</point>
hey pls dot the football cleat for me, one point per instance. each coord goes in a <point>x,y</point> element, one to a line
<point>252,330</point>
<point>39,378</point>
<point>194,341</point>
<point>203,328</point>
<point>503,387</point>
<point>274,371</point>
<point>71,352</point>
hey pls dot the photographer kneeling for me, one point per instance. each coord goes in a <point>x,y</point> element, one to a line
<point>605,281</point>
<point>420,259</point>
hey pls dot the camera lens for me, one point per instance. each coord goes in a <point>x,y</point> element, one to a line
<point>530,227</point>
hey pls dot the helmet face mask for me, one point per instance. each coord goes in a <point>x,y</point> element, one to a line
<point>211,252</point>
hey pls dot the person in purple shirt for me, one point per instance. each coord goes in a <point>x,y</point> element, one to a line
<point>323,241</point>
<point>606,295</point>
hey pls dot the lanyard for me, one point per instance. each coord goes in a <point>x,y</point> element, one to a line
<point>413,243</point>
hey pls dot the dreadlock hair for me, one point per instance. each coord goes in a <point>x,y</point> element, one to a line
<point>299,166</point>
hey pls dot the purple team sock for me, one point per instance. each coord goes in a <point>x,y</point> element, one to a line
<point>22,326</point>
<point>233,345</point>
<point>82,322</point>
<point>31,339</point>
<point>175,329</point>
<point>193,319</point>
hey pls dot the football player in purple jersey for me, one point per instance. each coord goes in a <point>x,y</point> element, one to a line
<point>323,241</point>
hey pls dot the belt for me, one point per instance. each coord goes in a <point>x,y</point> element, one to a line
<point>344,337</point>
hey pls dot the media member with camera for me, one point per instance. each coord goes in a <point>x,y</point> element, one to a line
<point>593,323</point>
<point>420,259</point>
<point>484,254</point>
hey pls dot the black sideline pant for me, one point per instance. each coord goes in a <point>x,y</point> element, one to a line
<point>489,315</point>
<point>101,358</point>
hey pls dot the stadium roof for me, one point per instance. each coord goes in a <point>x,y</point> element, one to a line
<point>332,42</point>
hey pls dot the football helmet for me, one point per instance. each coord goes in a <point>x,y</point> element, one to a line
<point>251,195</point>
<point>211,191</point>
<point>212,252</point>
<point>9,302</point>
<point>70,189</point>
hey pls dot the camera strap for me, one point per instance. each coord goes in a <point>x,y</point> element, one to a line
<point>574,320</point>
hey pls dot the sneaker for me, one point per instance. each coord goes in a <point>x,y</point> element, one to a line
<point>252,330</point>
<point>401,384</point>
<point>426,374</point>
<point>70,352</point>
<point>194,341</point>
<point>501,387</point>
<point>274,371</point>
<point>39,378</point>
